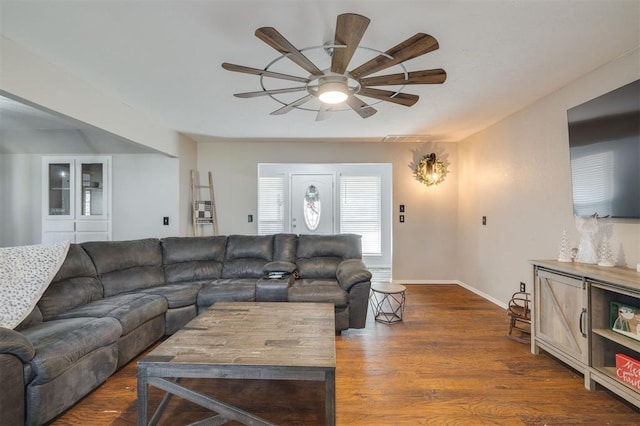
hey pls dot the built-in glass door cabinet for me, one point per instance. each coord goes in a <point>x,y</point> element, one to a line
<point>605,289</point>
<point>76,199</point>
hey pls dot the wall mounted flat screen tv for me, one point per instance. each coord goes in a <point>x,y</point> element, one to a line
<point>604,146</point>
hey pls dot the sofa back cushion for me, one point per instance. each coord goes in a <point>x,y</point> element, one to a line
<point>318,256</point>
<point>193,258</point>
<point>246,255</point>
<point>284,247</point>
<point>125,266</point>
<point>75,284</point>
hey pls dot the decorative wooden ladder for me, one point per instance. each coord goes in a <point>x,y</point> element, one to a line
<point>203,211</point>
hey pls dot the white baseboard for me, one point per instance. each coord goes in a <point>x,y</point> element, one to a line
<point>460,283</point>
<point>429,282</point>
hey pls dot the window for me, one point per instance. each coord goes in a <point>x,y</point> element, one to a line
<point>360,211</point>
<point>271,205</point>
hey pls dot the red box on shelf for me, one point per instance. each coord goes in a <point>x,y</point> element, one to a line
<point>628,370</point>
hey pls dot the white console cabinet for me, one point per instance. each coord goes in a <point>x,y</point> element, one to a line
<point>76,199</point>
<point>572,319</point>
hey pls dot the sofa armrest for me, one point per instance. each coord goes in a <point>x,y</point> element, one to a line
<point>351,272</point>
<point>12,398</point>
<point>14,343</point>
<point>280,266</point>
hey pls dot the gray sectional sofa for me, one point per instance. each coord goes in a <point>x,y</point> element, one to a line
<point>111,300</point>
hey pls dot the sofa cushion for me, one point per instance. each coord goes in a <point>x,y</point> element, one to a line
<point>60,343</point>
<point>319,291</point>
<point>318,256</point>
<point>284,247</point>
<point>227,290</point>
<point>34,318</point>
<point>246,255</point>
<point>131,310</point>
<point>193,258</point>
<point>125,266</point>
<point>177,294</point>
<point>75,284</point>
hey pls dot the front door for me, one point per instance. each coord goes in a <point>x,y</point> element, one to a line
<point>312,204</point>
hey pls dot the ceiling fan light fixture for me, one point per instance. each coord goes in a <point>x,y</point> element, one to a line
<point>333,90</point>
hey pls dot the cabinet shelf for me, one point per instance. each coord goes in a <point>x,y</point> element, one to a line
<point>607,377</point>
<point>628,342</point>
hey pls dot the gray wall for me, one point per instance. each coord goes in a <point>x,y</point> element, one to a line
<point>424,247</point>
<point>517,173</point>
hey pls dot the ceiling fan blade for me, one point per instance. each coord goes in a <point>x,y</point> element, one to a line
<point>256,71</point>
<point>350,28</point>
<point>285,109</point>
<point>323,112</point>
<point>358,105</point>
<point>269,92</point>
<point>435,76</point>
<point>405,99</point>
<point>273,38</point>
<point>412,47</point>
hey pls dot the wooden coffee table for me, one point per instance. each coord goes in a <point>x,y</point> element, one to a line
<point>271,341</point>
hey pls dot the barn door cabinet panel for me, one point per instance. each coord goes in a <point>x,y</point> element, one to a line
<point>608,311</point>
<point>560,316</point>
<point>76,199</point>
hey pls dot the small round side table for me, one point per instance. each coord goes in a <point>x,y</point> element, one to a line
<point>387,302</point>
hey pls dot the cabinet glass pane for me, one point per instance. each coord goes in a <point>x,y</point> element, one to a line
<point>92,190</point>
<point>59,189</point>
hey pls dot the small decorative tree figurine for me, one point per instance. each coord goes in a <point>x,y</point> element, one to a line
<point>565,250</point>
<point>605,256</point>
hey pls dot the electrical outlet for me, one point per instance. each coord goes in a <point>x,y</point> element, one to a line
<point>401,208</point>
<point>250,218</point>
<point>484,220</point>
<point>401,218</point>
<point>165,220</point>
<point>523,287</point>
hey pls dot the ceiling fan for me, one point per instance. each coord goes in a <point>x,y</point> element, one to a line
<point>336,85</point>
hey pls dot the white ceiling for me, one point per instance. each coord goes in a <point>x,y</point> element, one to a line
<point>164,57</point>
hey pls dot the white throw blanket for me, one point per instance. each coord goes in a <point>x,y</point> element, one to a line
<point>25,273</point>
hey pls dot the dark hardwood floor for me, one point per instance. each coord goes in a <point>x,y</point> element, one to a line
<point>447,363</point>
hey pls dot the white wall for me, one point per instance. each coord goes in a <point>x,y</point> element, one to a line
<point>188,160</point>
<point>517,173</point>
<point>145,189</point>
<point>424,246</point>
<point>30,78</point>
<point>20,199</point>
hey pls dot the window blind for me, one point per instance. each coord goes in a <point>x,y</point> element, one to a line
<point>360,211</point>
<point>270,204</point>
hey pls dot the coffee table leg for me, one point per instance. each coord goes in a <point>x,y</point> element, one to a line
<point>330,397</point>
<point>143,402</point>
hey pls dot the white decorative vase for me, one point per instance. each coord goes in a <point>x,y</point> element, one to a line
<point>587,226</point>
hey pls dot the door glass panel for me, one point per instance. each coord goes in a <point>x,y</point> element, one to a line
<point>311,208</point>
<point>59,189</point>
<point>92,203</point>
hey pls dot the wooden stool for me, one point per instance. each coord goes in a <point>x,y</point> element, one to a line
<point>519,312</point>
<point>387,302</point>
